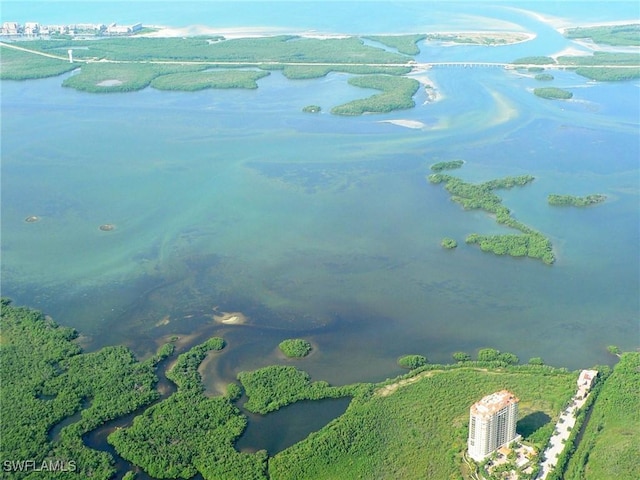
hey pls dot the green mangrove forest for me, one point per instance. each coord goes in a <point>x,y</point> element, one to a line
<point>397,93</point>
<point>412,361</point>
<point>545,77</point>
<point>553,93</point>
<point>46,378</point>
<point>190,433</point>
<point>609,447</point>
<point>405,44</point>
<point>529,243</point>
<point>197,63</point>
<point>295,347</point>
<point>398,428</point>
<point>601,66</point>
<point>572,200</point>
<point>450,165</point>
<point>448,243</point>
<point>619,35</point>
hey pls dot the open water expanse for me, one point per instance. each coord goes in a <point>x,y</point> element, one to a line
<point>320,226</point>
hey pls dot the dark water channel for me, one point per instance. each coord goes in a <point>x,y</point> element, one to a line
<point>97,439</point>
<point>273,432</point>
<point>279,430</point>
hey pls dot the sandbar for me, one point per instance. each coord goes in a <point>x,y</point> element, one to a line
<point>415,124</point>
<point>477,37</point>
<point>231,318</point>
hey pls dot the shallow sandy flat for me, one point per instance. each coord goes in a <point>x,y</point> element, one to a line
<point>231,318</point>
<point>478,37</point>
<point>195,30</point>
<point>405,123</point>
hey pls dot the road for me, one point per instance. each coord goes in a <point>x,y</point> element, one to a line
<point>412,64</point>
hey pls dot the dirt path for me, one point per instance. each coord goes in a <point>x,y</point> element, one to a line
<point>391,388</point>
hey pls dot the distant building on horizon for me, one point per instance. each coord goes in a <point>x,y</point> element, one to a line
<point>492,424</point>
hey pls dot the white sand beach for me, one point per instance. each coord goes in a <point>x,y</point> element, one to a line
<point>227,32</point>
<point>415,124</point>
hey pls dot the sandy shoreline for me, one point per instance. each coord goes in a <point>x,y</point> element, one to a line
<point>232,32</point>
<point>257,31</point>
<point>512,38</point>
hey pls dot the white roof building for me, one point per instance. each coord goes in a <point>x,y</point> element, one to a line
<point>492,424</point>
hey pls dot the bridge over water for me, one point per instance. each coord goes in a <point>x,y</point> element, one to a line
<point>468,64</point>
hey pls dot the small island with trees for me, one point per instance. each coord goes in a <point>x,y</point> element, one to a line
<point>571,200</point>
<point>295,347</point>
<point>553,93</point>
<point>448,243</point>
<point>450,165</point>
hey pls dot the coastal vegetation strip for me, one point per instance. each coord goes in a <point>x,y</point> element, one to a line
<point>308,71</point>
<point>610,443</point>
<point>400,428</point>
<point>397,93</point>
<point>534,60</point>
<point>604,74</point>
<point>192,81</point>
<point>21,65</point>
<point>421,427</point>
<point>617,35</point>
<point>46,378</point>
<point>122,77</point>
<point>406,44</point>
<point>561,200</point>
<point>189,433</point>
<point>605,66</point>
<point>251,50</point>
<point>273,387</point>
<point>600,59</point>
<point>480,38</point>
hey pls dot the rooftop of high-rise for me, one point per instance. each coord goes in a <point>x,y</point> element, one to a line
<point>493,403</point>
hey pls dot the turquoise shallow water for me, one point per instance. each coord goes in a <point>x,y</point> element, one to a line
<point>321,226</point>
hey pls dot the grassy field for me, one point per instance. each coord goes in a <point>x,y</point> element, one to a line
<point>418,429</point>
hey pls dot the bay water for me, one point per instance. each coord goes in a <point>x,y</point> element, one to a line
<point>319,226</point>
